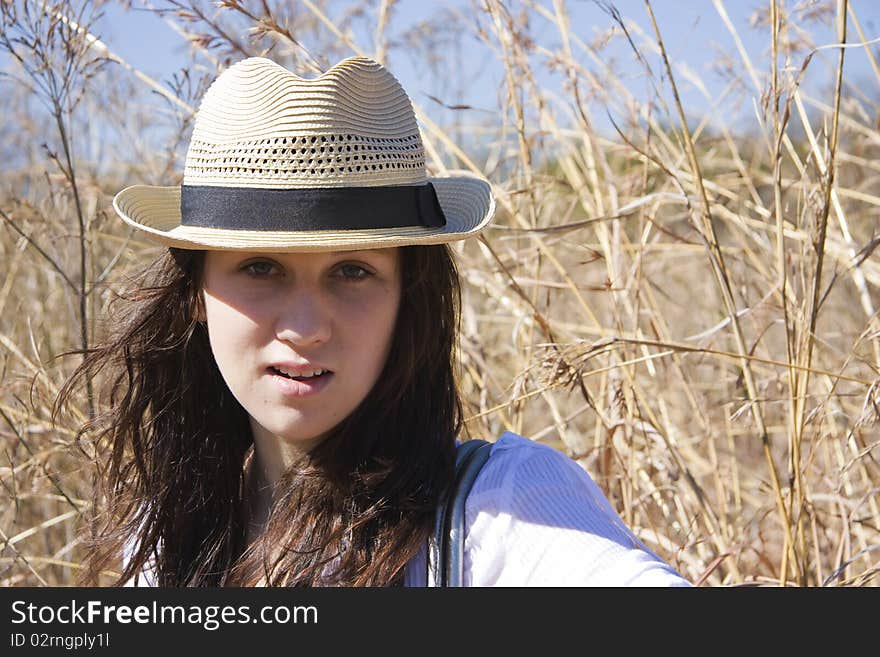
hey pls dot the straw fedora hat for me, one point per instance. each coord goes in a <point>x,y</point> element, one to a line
<point>277,162</point>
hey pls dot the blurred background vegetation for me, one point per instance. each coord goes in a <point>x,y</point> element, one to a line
<point>682,299</point>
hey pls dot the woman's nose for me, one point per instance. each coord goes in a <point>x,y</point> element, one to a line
<point>303,318</point>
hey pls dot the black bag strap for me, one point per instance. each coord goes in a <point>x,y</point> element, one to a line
<point>446,546</point>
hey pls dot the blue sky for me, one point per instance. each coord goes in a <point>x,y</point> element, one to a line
<point>692,30</point>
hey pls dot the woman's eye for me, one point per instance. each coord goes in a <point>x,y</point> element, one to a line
<point>259,269</point>
<point>353,272</point>
<point>268,269</point>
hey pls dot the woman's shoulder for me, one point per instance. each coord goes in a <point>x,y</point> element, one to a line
<point>535,517</point>
<point>517,465</point>
<point>529,478</point>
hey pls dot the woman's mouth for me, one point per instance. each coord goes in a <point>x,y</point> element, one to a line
<point>302,384</point>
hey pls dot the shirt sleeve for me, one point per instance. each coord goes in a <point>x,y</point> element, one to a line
<point>536,518</point>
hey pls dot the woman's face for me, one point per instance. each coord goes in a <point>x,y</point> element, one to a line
<point>300,338</point>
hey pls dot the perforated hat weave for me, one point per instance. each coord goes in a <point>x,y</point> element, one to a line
<point>283,163</point>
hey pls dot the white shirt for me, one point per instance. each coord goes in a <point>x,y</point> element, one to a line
<point>534,517</point>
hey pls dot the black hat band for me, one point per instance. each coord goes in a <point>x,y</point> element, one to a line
<point>310,209</point>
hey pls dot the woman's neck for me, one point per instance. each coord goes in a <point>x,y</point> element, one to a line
<point>265,465</point>
<point>275,455</point>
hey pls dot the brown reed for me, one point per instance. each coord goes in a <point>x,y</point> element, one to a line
<point>686,308</point>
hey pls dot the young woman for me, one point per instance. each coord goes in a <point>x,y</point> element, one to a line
<point>282,403</point>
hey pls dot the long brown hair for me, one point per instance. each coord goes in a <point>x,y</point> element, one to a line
<point>352,513</point>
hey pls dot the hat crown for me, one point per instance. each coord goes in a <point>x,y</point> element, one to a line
<point>259,125</point>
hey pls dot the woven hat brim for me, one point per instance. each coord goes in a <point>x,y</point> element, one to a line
<point>466,200</point>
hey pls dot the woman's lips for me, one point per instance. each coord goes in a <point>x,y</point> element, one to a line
<point>299,388</point>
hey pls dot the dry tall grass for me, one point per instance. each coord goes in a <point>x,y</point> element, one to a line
<point>687,310</point>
